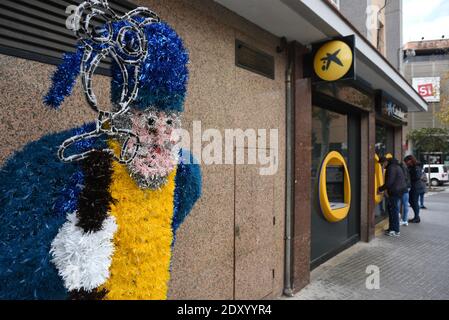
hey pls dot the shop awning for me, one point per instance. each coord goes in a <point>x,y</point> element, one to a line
<point>309,21</point>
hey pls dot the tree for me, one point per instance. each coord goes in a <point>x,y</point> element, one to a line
<point>443,115</point>
<point>429,140</point>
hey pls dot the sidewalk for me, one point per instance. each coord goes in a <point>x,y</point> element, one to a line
<point>414,266</point>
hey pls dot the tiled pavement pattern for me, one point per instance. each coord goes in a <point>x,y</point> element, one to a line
<point>414,266</point>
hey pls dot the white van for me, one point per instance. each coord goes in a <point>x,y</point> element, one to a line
<point>438,174</point>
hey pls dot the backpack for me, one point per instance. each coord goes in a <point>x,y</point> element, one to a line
<point>424,177</point>
<point>408,181</point>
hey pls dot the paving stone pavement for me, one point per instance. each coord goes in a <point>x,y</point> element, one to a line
<point>414,266</point>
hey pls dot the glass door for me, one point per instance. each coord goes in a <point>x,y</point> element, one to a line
<point>384,146</point>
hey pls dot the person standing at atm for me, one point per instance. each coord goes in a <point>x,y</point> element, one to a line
<point>395,186</point>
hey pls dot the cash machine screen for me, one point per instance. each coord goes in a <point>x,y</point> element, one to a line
<point>335,184</point>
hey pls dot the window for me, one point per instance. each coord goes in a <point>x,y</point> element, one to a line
<point>384,140</point>
<point>329,133</point>
<point>36,29</point>
<point>432,170</point>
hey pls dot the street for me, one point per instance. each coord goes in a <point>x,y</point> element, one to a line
<point>413,266</point>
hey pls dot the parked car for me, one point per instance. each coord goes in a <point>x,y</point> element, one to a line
<point>439,174</point>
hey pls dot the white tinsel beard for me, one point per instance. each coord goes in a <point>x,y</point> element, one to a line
<point>83,259</point>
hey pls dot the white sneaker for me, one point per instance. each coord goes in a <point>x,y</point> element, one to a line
<point>393,234</point>
<point>403,223</point>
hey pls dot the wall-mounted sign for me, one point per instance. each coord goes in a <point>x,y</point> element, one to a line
<point>390,109</point>
<point>428,88</point>
<point>394,111</point>
<point>334,59</point>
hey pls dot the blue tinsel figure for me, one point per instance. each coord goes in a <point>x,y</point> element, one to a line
<point>37,190</point>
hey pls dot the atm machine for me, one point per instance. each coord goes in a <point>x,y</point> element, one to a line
<point>334,188</point>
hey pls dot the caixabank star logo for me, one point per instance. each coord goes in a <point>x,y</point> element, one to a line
<point>334,60</point>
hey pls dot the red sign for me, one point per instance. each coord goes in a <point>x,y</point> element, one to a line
<point>426,90</point>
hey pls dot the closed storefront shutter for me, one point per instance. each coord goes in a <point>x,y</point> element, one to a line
<point>36,29</point>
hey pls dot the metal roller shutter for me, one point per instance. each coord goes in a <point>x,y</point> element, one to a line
<point>36,29</point>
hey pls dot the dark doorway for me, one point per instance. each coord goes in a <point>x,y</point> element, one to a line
<point>384,140</point>
<point>384,145</point>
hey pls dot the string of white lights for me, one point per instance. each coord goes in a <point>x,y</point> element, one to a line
<point>124,55</point>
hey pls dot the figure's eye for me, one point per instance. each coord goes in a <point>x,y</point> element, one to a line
<point>169,122</point>
<point>132,45</point>
<point>151,122</point>
<point>130,41</point>
<point>101,32</point>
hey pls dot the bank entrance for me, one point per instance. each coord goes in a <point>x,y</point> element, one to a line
<point>335,128</point>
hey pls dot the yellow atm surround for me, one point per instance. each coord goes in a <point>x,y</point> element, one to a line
<point>378,180</point>
<point>331,212</point>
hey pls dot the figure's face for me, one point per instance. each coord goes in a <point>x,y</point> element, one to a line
<point>158,153</point>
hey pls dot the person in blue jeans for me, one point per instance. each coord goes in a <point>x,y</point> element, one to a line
<point>395,186</point>
<point>421,195</point>
<point>405,204</point>
<point>421,201</point>
<point>417,186</point>
<point>405,197</point>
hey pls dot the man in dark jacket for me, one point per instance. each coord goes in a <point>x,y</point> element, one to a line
<point>395,186</point>
<point>417,186</point>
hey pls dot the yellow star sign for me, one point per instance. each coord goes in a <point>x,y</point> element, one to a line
<point>333,60</point>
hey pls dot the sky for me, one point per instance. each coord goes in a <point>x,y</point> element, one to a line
<point>425,18</point>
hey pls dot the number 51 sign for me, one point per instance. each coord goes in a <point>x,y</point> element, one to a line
<point>428,88</point>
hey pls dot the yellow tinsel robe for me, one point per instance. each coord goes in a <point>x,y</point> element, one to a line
<point>147,221</point>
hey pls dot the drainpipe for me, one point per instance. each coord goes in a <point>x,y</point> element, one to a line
<point>289,196</point>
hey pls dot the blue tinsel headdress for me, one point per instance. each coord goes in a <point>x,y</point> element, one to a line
<point>149,68</point>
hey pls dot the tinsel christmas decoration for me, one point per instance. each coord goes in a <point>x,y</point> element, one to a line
<point>64,78</point>
<point>188,187</point>
<point>97,217</point>
<point>83,258</point>
<point>164,75</point>
<point>37,191</point>
<point>95,199</point>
